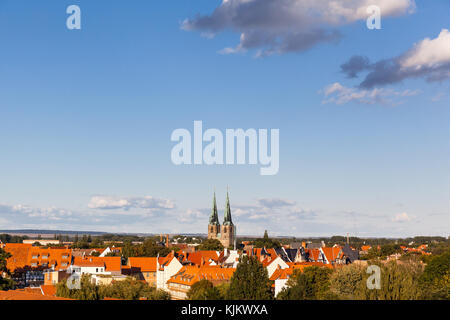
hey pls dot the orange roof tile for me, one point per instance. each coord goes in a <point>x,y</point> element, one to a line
<point>144,264</point>
<point>26,295</point>
<point>332,253</point>
<point>111,264</point>
<point>189,275</point>
<point>48,290</point>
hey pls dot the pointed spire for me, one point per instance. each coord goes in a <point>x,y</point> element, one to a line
<point>214,217</point>
<point>227,217</point>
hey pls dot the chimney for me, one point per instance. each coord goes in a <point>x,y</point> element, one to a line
<point>160,237</point>
<point>303,244</point>
<point>167,240</point>
<point>348,242</point>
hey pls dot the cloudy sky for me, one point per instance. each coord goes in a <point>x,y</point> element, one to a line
<point>86,115</point>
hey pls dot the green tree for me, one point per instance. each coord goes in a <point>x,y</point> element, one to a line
<point>250,281</point>
<point>266,242</point>
<point>211,244</point>
<point>5,283</point>
<point>204,290</point>
<point>398,282</point>
<point>87,291</point>
<point>435,280</point>
<point>132,289</point>
<point>311,284</point>
<point>345,281</point>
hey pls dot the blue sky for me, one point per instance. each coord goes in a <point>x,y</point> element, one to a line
<point>86,116</point>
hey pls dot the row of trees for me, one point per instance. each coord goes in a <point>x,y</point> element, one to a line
<point>129,289</point>
<point>7,238</point>
<point>149,248</point>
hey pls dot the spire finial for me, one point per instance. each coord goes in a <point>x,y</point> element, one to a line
<point>227,217</point>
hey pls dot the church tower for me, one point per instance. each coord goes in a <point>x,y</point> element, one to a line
<point>227,230</point>
<point>214,225</point>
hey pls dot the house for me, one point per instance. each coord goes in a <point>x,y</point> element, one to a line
<point>229,258</point>
<point>332,255</point>
<point>280,278</point>
<point>96,265</point>
<point>106,279</point>
<point>52,277</point>
<point>350,254</point>
<point>273,264</point>
<point>180,283</point>
<point>203,257</point>
<point>144,268</point>
<point>166,268</point>
<point>27,263</point>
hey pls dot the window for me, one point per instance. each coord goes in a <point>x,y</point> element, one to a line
<point>96,270</point>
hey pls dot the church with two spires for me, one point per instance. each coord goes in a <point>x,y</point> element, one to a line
<point>225,233</point>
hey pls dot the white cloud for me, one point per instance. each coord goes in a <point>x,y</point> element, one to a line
<point>401,217</point>
<point>50,213</point>
<point>126,203</point>
<point>339,94</point>
<point>429,59</point>
<point>428,53</point>
<point>289,25</point>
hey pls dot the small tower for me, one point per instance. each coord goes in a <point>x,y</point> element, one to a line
<point>214,225</point>
<point>227,230</point>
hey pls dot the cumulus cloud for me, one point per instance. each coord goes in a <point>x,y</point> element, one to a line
<point>401,217</point>
<point>288,25</point>
<point>339,94</point>
<point>50,213</point>
<point>428,59</point>
<point>127,203</point>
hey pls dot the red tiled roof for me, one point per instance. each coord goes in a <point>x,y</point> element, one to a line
<point>332,253</point>
<point>48,290</point>
<point>189,275</point>
<point>111,264</point>
<point>26,295</point>
<point>144,264</point>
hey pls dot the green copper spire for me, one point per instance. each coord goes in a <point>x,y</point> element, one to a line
<point>227,218</point>
<point>214,217</point>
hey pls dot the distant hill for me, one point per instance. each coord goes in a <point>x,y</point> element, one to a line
<point>51,232</point>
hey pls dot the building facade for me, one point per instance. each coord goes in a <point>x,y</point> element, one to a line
<point>225,233</point>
